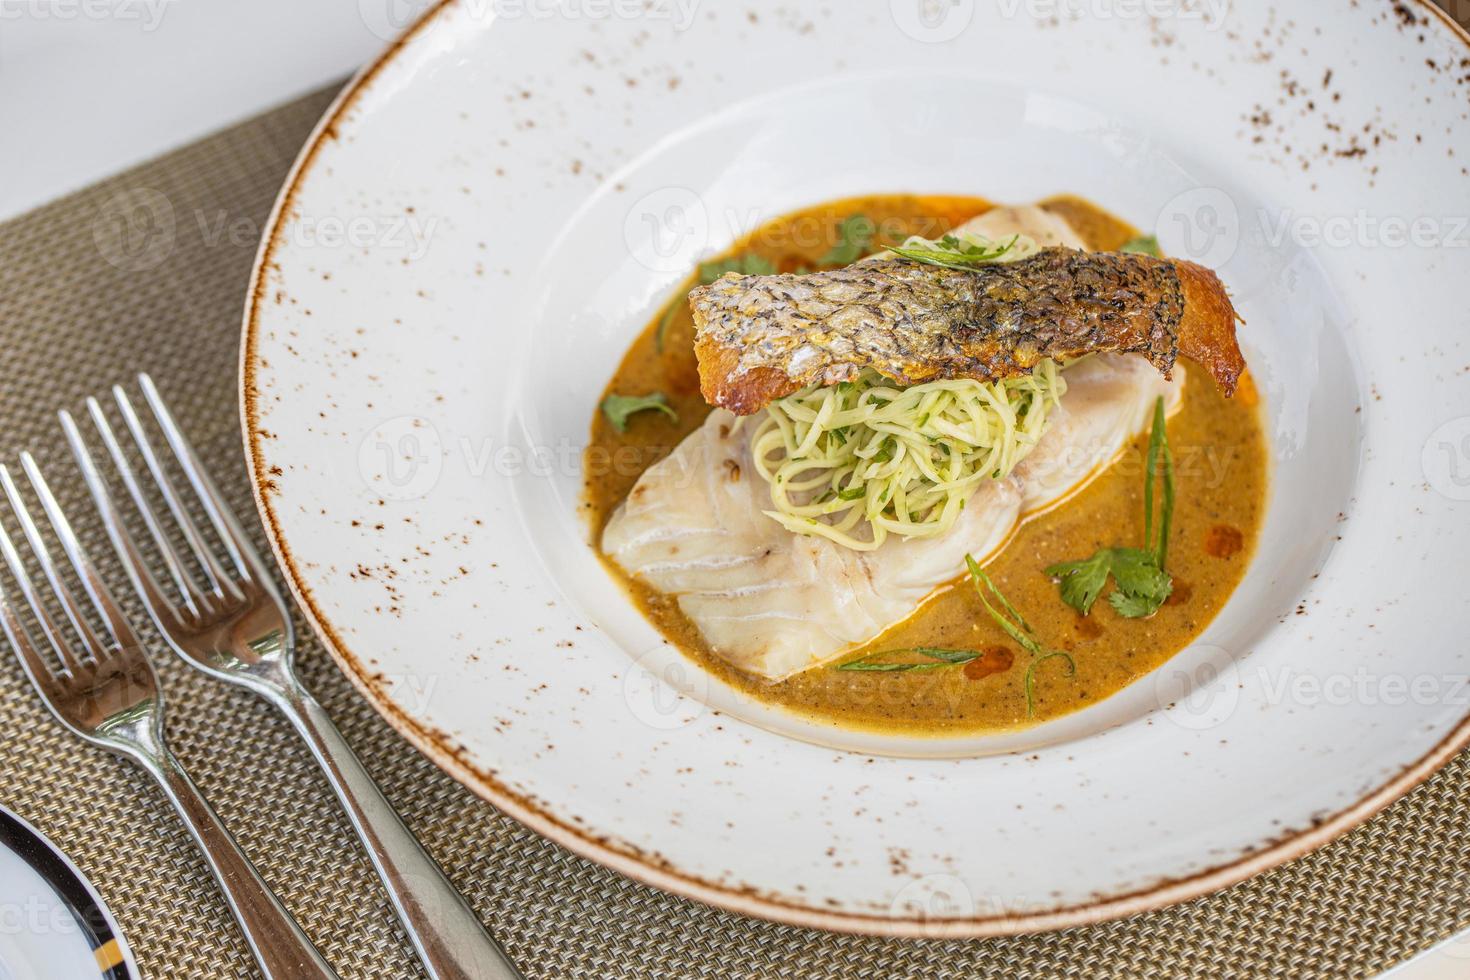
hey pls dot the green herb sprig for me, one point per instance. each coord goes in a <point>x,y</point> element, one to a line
<point>1142,583</point>
<point>854,236</point>
<point>1005,615</point>
<point>939,658</point>
<point>1015,625</point>
<point>618,408</point>
<point>951,252</point>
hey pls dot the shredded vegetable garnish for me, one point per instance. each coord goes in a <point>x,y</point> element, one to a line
<point>857,461</point>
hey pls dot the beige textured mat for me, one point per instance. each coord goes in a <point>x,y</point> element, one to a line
<point>90,293</point>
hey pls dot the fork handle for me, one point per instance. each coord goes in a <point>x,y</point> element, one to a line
<point>449,937</point>
<point>279,945</point>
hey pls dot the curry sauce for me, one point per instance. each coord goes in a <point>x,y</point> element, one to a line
<point>1219,453</point>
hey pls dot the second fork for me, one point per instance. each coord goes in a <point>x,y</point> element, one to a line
<point>233,625</point>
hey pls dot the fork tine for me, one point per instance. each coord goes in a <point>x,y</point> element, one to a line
<point>35,666</point>
<point>218,580</point>
<point>211,567</point>
<point>191,596</point>
<point>15,630</point>
<point>246,558</point>
<point>92,583</point>
<point>49,626</point>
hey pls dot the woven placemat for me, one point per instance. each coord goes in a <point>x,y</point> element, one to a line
<point>147,271</point>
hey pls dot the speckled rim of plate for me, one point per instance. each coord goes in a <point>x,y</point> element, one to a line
<point>438,747</point>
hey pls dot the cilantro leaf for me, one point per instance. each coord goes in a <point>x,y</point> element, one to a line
<point>1082,581</point>
<point>617,408</point>
<point>1143,245</point>
<point>748,264</point>
<point>854,236</point>
<point>1134,606</point>
<point>1137,573</point>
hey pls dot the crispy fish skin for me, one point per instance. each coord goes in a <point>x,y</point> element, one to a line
<point>760,338</point>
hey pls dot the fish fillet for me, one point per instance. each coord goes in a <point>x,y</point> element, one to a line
<point>775,603</point>
<point>760,338</point>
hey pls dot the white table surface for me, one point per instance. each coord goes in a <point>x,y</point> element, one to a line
<point>88,87</point>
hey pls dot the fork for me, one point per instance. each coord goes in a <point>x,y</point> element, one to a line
<point>233,626</point>
<point>108,695</point>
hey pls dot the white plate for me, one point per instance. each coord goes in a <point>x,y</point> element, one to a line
<point>490,213</point>
<point>54,924</point>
